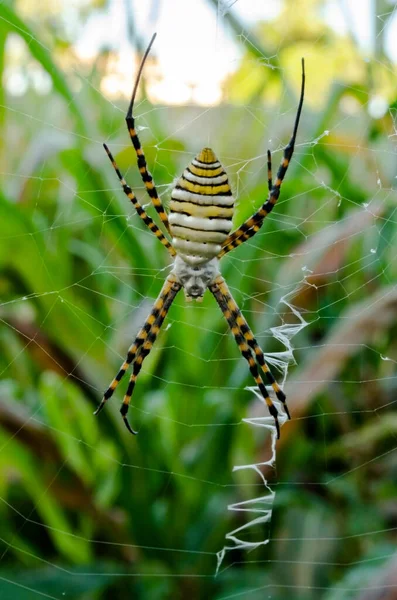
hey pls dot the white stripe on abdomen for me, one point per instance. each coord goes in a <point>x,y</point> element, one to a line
<point>201,209</point>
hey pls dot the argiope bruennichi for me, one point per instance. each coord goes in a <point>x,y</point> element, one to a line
<point>199,223</point>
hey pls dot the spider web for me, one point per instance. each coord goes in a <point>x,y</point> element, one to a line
<point>316,284</point>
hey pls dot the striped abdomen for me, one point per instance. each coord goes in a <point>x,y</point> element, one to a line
<point>201,209</point>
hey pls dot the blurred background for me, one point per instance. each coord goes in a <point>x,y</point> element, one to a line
<point>87,511</point>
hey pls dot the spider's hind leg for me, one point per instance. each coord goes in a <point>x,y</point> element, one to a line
<point>142,345</point>
<point>145,350</point>
<point>228,306</point>
<point>253,344</point>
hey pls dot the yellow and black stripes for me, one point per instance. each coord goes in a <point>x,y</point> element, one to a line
<point>141,161</point>
<point>251,341</point>
<point>200,223</point>
<point>139,209</point>
<point>227,307</point>
<point>146,175</point>
<point>146,348</point>
<point>254,223</point>
<point>143,344</point>
<point>201,209</point>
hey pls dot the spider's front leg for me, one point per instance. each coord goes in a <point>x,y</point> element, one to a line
<point>139,209</point>
<point>141,160</point>
<point>254,223</point>
<point>142,345</point>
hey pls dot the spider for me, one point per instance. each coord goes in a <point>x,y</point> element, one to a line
<point>199,223</point>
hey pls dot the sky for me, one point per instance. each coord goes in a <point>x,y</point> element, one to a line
<point>217,50</point>
<point>194,51</point>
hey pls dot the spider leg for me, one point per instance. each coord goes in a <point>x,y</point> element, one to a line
<point>269,171</point>
<point>241,322</point>
<point>227,309</point>
<point>254,223</point>
<point>152,324</point>
<point>145,350</point>
<point>139,209</point>
<point>142,166</point>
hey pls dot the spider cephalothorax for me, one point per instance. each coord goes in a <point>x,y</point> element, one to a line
<point>195,279</point>
<point>199,223</point>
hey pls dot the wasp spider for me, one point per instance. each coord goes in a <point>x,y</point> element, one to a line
<point>199,223</point>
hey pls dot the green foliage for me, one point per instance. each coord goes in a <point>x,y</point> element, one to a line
<point>89,512</point>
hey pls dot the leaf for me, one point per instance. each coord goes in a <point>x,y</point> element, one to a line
<point>11,21</point>
<point>36,486</point>
<point>56,581</point>
<point>324,253</point>
<point>356,326</point>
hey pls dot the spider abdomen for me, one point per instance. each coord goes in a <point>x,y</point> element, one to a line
<point>201,209</point>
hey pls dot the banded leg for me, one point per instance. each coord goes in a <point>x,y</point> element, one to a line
<point>154,321</point>
<point>142,166</point>
<point>227,310</point>
<point>146,348</point>
<point>139,209</point>
<point>239,319</point>
<point>254,223</point>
